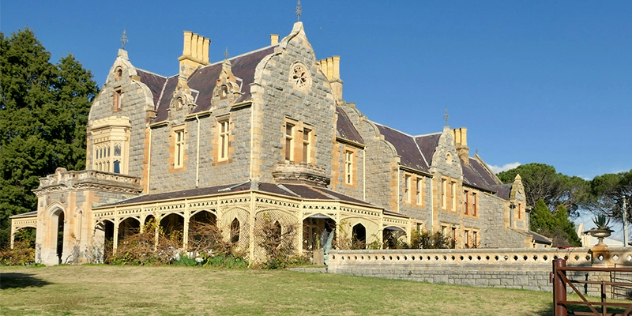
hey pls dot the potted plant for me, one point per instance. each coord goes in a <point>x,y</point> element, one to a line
<point>603,227</point>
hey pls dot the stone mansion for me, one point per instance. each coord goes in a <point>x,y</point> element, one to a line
<point>264,134</point>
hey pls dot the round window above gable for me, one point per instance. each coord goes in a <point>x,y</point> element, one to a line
<point>300,77</point>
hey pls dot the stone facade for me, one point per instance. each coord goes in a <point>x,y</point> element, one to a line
<point>266,134</point>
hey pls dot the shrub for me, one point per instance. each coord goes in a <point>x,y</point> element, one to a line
<point>21,254</point>
<point>277,242</point>
<point>427,240</point>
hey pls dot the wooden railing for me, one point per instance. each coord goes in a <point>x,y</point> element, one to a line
<point>560,302</point>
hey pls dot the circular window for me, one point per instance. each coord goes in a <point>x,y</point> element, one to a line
<point>299,76</point>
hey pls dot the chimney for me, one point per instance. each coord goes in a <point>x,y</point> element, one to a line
<point>460,142</point>
<point>274,39</point>
<point>331,68</point>
<point>194,53</point>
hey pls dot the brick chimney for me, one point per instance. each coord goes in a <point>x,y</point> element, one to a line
<point>331,68</point>
<point>460,142</point>
<point>194,54</point>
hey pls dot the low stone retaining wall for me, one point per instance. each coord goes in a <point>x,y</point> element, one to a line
<point>509,268</point>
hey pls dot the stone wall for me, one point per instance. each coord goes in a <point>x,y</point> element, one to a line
<point>509,268</point>
<point>280,100</point>
<point>136,105</point>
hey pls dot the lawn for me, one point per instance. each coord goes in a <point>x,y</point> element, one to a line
<point>132,290</point>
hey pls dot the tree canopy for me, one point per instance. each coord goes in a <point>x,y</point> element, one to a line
<point>608,192</point>
<point>542,181</point>
<point>43,115</point>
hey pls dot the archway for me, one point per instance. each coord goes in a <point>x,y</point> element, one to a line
<point>394,238</point>
<point>108,241</point>
<point>25,237</point>
<point>358,237</point>
<point>172,227</point>
<point>317,230</point>
<point>203,234</point>
<point>57,233</point>
<point>127,228</point>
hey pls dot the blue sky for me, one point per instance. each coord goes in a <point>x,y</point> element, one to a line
<point>533,81</point>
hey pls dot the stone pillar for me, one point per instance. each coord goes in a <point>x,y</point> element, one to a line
<point>116,234</point>
<point>185,232</point>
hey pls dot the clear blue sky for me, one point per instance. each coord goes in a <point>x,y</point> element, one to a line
<point>534,81</point>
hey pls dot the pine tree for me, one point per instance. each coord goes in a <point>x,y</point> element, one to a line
<point>43,116</point>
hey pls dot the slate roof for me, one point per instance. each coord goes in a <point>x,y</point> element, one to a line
<point>476,175</point>
<point>539,239</point>
<point>406,147</point>
<point>345,128</point>
<point>428,145</point>
<point>155,82</point>
<point>202,82</point>
<point>27,214</point>
<point>504,190</point>
<point>290,190</point>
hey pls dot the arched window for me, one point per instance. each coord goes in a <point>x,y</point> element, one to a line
<point>234,231</point>
<point>117,166</point>
<point>358,240</point>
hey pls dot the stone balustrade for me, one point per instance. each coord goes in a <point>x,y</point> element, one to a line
<point>512,268</point>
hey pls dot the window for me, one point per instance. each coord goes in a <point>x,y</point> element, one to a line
<point>109,140</point>
<point>179,154</point>
<point>419,227</point>
<point>407,188</point>
<point>519,210</point>
<point>224,133</point>
<point>306,144</point>
<point>348,167</point>
<point>444,230</point>
<point>467,238</point>
<point>443,189</point>
<point>118,99</point>
<point>467,202</point>
<point>475,239</point>
<point>289,142</point>
<point>474,203</point>
<point>419,190</point>
<point>453,195</point>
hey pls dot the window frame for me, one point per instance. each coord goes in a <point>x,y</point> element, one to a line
<point>224,140</point>
<point>289,142</point>
<point>179,143</point>
<point>348,167</point>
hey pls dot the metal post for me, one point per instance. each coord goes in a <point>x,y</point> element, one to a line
<point>625,223</point>
<point>559,288</point>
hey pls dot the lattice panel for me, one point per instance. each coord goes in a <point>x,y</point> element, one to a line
<point>243,217</point>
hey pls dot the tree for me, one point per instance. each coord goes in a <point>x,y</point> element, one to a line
<point>556,226</point>
<point>609,191</point>
<point>43,115</point>
<point>542,181</point>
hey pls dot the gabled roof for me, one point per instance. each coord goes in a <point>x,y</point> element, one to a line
<point>428,145</point>
<point>406,147</point>
<point>476,175</point>
<point>202,82</point>
<point>345,128</point>
<point>504,190</point>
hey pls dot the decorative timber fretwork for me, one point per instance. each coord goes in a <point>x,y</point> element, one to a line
<point>276,202</point>
<point>360,211</point>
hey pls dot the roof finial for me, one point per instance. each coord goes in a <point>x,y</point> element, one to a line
<point>124,39</point>
<point>477,151</point>
<point>445,117</point>
<point>226,54</point>
<point>298,11</point>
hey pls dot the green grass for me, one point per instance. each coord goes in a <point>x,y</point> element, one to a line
<point>132,290</point>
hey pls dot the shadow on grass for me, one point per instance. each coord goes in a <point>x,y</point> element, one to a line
<point>578,308</point>
<point>20,280</point>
